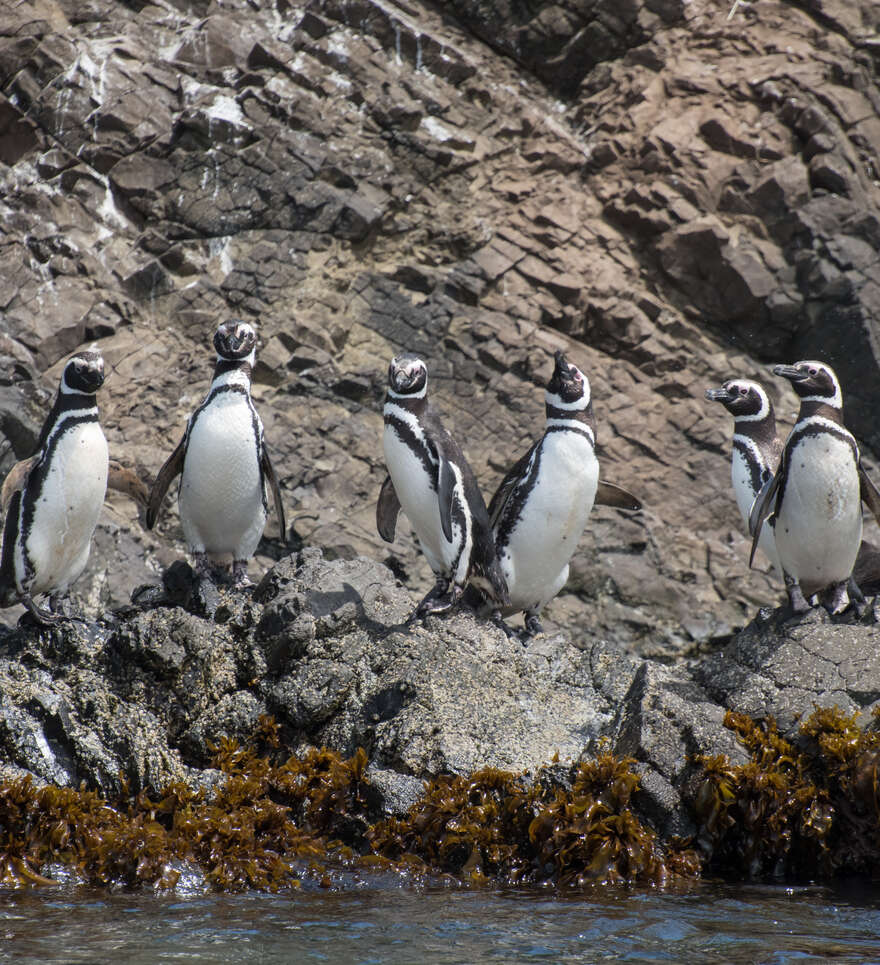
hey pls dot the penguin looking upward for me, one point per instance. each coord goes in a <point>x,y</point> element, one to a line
<point>430,479</point>
<point>541,507</point>
<point>54,504</point>
<point>756,448</point>
<point>224,464</point>
<point>815,496</point>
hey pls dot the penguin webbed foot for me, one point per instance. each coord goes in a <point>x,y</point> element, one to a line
<point>439,599</point>
<point>498,621</point>
<point>533,624</point>
<point>240,578</point>
<point>45,618</point>
<point>203,568</point>
<point>856,597</point>
<point>797,600</point>
<point>836,598</point>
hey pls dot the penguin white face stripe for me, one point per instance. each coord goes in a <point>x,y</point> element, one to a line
<point>409,395</point>
<point>835,401</point>
<point>250,360</point>
<point>554,400</point>
<point>236,376</point>
<point>763,412</point>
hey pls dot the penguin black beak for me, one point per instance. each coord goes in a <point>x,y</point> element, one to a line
<point>719,395</point>
<point>561,363</point>
<point>791,372</point>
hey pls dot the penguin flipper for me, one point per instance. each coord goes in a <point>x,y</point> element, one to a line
<point>762,507</point>
<point>8,590</point>
<point>387,511</point>
<point>269,476</point>
<point>125,480</point>
<point>446,494</point>
<point>507,486</point>
<point>869,492</point>
<point>173,467</point>
<point>607,494</point>
<point>15,480</point>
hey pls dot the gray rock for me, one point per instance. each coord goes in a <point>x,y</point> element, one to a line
<point>787,668</point>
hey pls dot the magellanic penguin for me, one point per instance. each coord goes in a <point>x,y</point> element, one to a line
<point>815,496</point>
<point>541,507</point>
<point>756,449</point>
<point>430,479</point>
<point>224,464</point>
<point>54,505</point>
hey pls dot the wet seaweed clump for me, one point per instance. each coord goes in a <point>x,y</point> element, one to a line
<point>495,827</point>
<point>275,821</point>
<point>266,826</point>
<point>809,808</point>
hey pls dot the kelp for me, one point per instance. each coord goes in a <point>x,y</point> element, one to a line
<point>494,827</point>
<point>809,808</point>
<point>275,821</point>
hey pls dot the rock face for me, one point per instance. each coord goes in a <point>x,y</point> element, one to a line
<point>661,190</point>
<point>322,647</point>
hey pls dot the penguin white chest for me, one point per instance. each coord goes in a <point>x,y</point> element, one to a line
<point>819,522</point>
<point>58,538</point>
<point>414,486</point>
<point>551,520</point>
<point>221,491</point>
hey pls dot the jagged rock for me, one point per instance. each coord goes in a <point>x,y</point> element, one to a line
<point>483,184</point>
<point>785,668</point>
<point>145,694</point>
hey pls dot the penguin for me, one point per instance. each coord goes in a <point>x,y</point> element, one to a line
<point>541,507</point>
<point>814,498</point>
<point>223,463</point>
<point>431,481</point>
<point>56,496</point>
<point>756,449</point>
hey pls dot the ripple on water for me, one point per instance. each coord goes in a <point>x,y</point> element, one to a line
<point>709,923</point>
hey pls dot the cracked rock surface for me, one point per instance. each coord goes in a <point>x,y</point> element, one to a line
<point>663,191</point>
<point>322,646</point>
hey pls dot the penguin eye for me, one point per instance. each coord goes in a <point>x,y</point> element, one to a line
<point>813,370</point>
<point>743,390</point>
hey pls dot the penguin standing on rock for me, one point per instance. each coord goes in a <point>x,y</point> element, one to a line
<point>224,465</point>
<point>54,503</point>
<point>430,479</point>
<point>756,449</point>
<point>815,496</point>
<point>541,507</point>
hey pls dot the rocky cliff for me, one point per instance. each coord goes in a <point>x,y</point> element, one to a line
<point>137,699</point>
<point>674,192</point>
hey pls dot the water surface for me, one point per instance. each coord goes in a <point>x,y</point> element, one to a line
<point>363,926</point>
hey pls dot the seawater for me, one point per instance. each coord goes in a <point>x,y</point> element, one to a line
<point>368,926</point>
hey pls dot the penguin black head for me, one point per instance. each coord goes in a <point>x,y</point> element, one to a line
<point>813,382</point>
<point>743,399</point>
<point>407,376</point>
<point>568,387</point>
<point>84,373</point>
<point>235,341</point>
